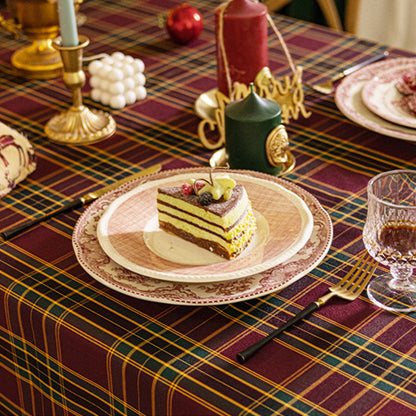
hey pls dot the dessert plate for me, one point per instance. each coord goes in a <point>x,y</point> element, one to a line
<point>381,96</point>
<point>102,268</point>
<point>349,101</point>
<point>129,235</point>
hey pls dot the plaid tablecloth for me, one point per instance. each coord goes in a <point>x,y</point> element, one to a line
<point>69,345</point>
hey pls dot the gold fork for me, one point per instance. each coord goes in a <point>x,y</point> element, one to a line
<point>328,87</point>
<point>349,288</point>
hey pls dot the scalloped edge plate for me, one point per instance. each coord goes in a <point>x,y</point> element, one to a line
<point>101,268</point>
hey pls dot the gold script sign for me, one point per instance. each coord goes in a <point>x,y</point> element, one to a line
<point>288,93</point>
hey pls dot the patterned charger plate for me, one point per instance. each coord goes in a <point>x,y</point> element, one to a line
<point>100,266</point>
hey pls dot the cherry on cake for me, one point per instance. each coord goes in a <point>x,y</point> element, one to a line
<point>214,214</point>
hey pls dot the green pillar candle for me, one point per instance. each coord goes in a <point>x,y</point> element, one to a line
<point>248,123</point>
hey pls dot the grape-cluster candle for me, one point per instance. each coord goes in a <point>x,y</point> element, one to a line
<point>117,80</point>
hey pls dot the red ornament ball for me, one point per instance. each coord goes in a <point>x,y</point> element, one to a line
<point>184,23</point>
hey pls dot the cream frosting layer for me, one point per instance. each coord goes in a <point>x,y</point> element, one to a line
<point>231,231</point>
<point>226,221</point>
<point>233,241</point>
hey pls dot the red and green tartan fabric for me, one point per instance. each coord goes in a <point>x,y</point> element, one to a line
<point>72,346</point>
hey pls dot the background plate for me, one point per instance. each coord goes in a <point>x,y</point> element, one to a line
<point>349,101</point>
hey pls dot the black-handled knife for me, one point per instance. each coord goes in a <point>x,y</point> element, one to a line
<point>77,203</point>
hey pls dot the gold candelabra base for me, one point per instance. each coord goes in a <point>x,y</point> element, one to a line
<point>40,60</point>
<point>78,125</point>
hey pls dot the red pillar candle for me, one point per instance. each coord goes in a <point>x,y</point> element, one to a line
<point>241,36</point>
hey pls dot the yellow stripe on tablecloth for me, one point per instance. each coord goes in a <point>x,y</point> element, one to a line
<point>185,351</point>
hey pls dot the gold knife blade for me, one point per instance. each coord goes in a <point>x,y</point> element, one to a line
<point>91,196</point>
<point>77,203</point>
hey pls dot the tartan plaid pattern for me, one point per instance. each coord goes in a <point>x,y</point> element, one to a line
<point>71,346</point>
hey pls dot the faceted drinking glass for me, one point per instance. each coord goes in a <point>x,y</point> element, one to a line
<point>390,237</point>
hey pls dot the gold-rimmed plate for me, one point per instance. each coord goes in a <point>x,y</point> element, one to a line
<point>128,232</point>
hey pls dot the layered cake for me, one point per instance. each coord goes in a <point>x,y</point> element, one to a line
<point>215,215</point>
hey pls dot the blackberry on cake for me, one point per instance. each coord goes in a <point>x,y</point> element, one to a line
<point>214,214</point>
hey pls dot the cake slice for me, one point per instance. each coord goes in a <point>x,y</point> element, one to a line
<point>222,222</point>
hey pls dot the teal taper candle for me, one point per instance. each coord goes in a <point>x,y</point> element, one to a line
<point>68,23</point>
<point>248,123</point>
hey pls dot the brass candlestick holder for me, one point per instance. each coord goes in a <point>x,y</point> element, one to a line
<point>38,20</point>
<point>78,125</point>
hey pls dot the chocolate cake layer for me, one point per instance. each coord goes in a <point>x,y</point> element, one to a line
<point>224,227</point>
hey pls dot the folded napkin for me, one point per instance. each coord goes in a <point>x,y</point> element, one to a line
<point>17,159</point>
